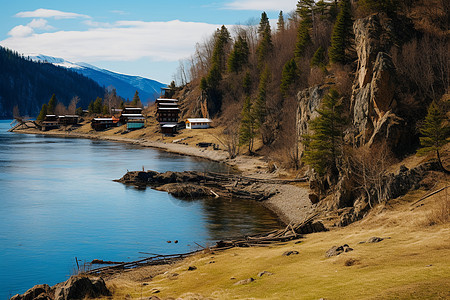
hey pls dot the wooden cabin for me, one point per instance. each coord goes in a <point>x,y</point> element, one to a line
<point>68,120</point>
<point>50,122</point>
<point>169,129</point>
<point>198,123</point>
<point>104,123</point>
<point>167,110</point>
<point>131,113</point>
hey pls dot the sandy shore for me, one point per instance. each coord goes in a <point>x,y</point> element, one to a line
<point>291,203</point>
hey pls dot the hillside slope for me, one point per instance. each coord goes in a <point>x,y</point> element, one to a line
<point>28,85</point>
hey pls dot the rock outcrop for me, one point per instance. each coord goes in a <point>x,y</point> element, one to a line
<point>76,287</point>
<point>373,102</point>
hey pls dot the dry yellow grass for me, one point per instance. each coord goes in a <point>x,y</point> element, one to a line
<point>413,262</point>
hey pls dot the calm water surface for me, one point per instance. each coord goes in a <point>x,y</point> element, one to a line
<point>58,202</point>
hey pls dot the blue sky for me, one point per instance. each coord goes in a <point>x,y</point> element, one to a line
<point>136,37</point>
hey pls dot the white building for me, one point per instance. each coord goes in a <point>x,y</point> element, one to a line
<point>197,123</point>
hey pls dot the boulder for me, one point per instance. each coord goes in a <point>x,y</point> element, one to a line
<point>337,250</point>
<point>245,281</point>
<point>41,291</point>
<point>78,287</point>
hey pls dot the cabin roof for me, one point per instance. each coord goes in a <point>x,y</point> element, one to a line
<point>169,125</point>
<point>103,119</point>
<point>132,115</point>
<point>132,108</point>
<point>168,108</point>
<point>167,99</point>
<point>199,120</point>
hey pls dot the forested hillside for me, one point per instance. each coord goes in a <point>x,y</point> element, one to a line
<point>339,90</point>
<point>27,85</point>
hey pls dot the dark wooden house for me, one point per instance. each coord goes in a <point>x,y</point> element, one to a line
<point>104,123</point>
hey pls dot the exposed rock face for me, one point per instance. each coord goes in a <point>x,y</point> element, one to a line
<point>373,102</point>
<point>74,288</point>
<point>308,101</point>
<point>81,288</point>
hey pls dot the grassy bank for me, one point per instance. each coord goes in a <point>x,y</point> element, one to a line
<point>412,262</point>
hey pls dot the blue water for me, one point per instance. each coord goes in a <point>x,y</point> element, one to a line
<point>58,202</point>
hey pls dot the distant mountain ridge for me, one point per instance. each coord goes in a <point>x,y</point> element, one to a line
<point>25,85</point>
<point>125,85</point>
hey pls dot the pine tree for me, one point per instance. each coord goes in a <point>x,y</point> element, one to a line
<point>91,107</point>
<point>97,106</point>
<point>239,56</point>
<point>435,132</point>
<point>52,105</point>
<point>43,113</point>
<point>289,76</point>
<point>136,102</point>
<point>265,45</point>
<point>281,24</point>
<point>318,59</point>
<point>322,146</point>
<point>247,132</point>
<point>304,10</point>
<point>260,109</point>
<point>263,24</point>
<point>342,34</point>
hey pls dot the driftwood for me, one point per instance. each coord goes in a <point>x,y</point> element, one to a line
<point>274,237</point>
<point>209,184</point>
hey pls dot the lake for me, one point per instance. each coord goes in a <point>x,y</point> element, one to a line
<point>58,201</point>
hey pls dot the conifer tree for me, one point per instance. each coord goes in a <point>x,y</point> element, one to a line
<point>211,83</point>
<point>281,24</point>
<point>263,24</point>
<point>239,56</point>
<point>43,113</point>
<point>304,10</point>
<point>91,107</point>
<point>248,130</point>
<point>136,102</point>
<point>265,46</point>
<point>97,106</point>
<point>323,145</point>
<point>435,132</point>
<point>342,34</point>
<point>318,59</point>
<point>52,105</point>
<point>289,76</point>
<point>260,109</point>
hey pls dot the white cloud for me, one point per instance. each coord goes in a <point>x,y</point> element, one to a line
<point>49,13</point>
<point>122,41</point>
<point>40,24</point>
<point>262,5</point>
<point>20,31</point>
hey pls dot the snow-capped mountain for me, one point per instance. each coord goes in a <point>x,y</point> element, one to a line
<point>125,85</point>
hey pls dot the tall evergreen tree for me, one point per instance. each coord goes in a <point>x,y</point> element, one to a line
<point>52,105</point>
<point>304,10</point>
<point>323,145</point>
<point>248,130</point>
<point>435,132</point>
<point>98,106</point>
<point>239,56</point>
<point>342,34</point>
<point>263,24</point>
<point>260,109</point>
<point>318,59</point>
<point>136,102</point>
<point>210,85</point>
<point>281,26</point>
<point>43,113</point>
<point>289,76</point>
<point>265,45</point>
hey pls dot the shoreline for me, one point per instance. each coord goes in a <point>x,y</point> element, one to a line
<point>291,203</point>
